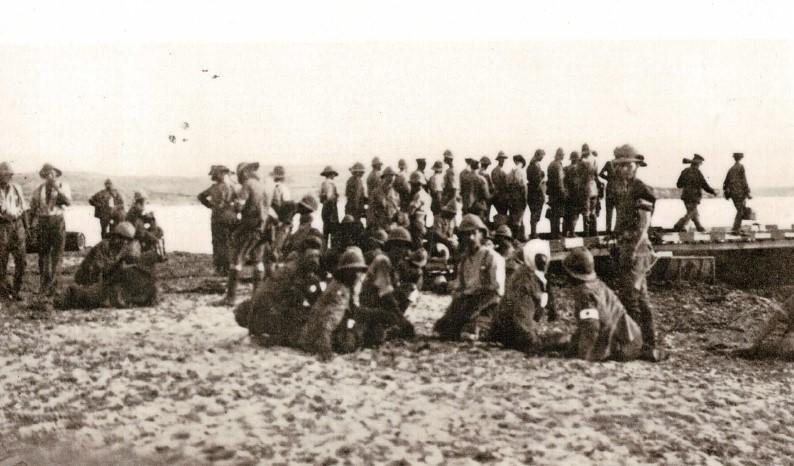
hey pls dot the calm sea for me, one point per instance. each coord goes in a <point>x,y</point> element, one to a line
<point>187,227</point>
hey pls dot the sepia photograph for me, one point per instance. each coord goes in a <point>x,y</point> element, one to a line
<point>396,233</point>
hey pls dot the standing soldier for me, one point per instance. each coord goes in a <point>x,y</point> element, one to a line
<point>614,190</point>
<point>247,243</point>
<point>535,194</point>
<point>329,197</point>
<point>384,205</point>
<point>450,182</point>
<point>47,205</point>
<point>12,231</point>
<point>573,203</point>
<point>355,193</point>
<point>485,162</point>
<point>588,177</point>
<point>736,188</point>
<point>281,192</point>
<point>465,186</point>
<point>401,185</point>
<point>421,166</point>
<point>480,195</point>
<point>106,203</point>
<point>374,178</point>
<point>635,253</point>
<point>517,196</point>
<point>436,188</point>
<point>417,209</point>
<point>692,184</point>
<point>555,188</point>
<point>220,198</point>
<point>499,180</point>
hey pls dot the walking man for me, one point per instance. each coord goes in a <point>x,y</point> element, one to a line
<point>735,188</point>
<point>635,253</point>
<point>220,198</point>
<point>329,197</point>
<point>12,231</point>
<point>107,203</point>
<point>692,184</point>
<point>535,194</point>
<point>47,205</point>
<point>555,188</point>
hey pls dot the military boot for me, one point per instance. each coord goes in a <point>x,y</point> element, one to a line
<point>231,290</point>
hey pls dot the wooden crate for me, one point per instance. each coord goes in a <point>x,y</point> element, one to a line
<point>684,268</point>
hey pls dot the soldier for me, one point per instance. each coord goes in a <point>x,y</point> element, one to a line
<point>373,244</point>
<point>588,179</point>
<point>421,165</point>
<point>604,330</point>
<point>401,185</point>
<point>450,182</point>
<point>384,205</point>
<point>526,298</point>
<point>517,196</point>
<point>306,208</point>
<point>47,205</point>
<point>418,208</point>
<point>635,253</point>
<point>281,193</point>
<point>436,187</point>
<point>614,190</point>
<point>485,162</point>
<point>374,178</point>
<point>505,246</point>
<point>735,188</point>
<point>692,184</point>
<point>573,204</point>
<point>499,180</point>
<point>355,193</point>
<point>329,198</point>
<point>12,231</point>
<point>536,196</point>
<point>443,230</point>
<point>105,203</point>
<point>111,274</point>
<point>480,194</point>
<point>481,282</point>
<point>247,242</point>
<point>220,198</point>
<point>557,193</point>
<point>147,232</point>
<point>465,184</point>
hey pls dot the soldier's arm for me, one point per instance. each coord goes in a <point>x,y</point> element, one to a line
<point>744,181</point>
<point>94,200</point>
<point>64,195</point>
<point>204,198</point>
<point>706,186</point>
<point>604,173</point>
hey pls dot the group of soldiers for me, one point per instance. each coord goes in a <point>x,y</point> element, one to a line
<point>111,273</point>
<point>349,285</point>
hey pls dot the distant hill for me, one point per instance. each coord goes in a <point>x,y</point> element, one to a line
<point>183,190</point>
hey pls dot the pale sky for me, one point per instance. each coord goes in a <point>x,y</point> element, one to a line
<point>110,105</point>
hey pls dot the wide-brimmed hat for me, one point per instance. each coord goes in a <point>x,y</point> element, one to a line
<point>539,152</point>
<point>108,181</point>
<point>379,236</point>
<point>438,165</point>
<point>47,168</point>
<point>417,178</point>
<point>357,167</point>
<point>278,172</point>
<point>402,163</point>
<point>388,171</point>
<point>352,259</point>
<point>559,152</point>
<point>574,156</point>
<point>485,161</point>
<point>309,202</point>
<point>471,222</point>
<point>448,154</point>
<point>518,158</point>
<point>579,264</point>
<point>243,167</point>
<point>585,149</point>
<point>138,196</point>
<point>399,236</point>
<point>217,169</point>
<point>738,156</point>
<point>376,162</point>
<point>5,169</point>
<point>627,154</point>
<point>329,171</point>
<point>450,207</point>
<point>348,219</point>
<point>503,231</point>
<point>501,156</point>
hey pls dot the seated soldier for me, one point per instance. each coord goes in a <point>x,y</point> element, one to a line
<point>350,233</point>
<point>279,308</point>
<point>443,229</point>
<point>504,245</point>
<point>780,323</point>
<point>603,328</point>
<point>111,273</point>
<point>306,207</point>
<point>148,234</point>
<point>373,244</point>
<point>481,282</point>
<point>526,298</point>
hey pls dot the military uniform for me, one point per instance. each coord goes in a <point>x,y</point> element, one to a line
<point>450,186</point>
<point>692,184</point>
<point>514,324</point>
<point>573,202</point>
<point>435,186</point>
<point>587,172</point>
<point>614,191</point>
<point>374,181</point>
<point>480,196</point>
<point>12,235</point>
<point>736,189</point>
<point>500,193</point>
<point>403,189</point>
<point>517,201</point>
<point>384,206</point>
<point>47,206</point>
<point>329,197</point>
<point>555,188</point>
<point>535,195</point>
<point>356,196</point>
<point>106,203</point>
<point>465,184</point>
<point>220,198</point>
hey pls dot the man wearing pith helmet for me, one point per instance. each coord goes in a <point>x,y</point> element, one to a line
<point>12,231</point>
<point>355,193</point>
<point>329,197</point>
<point>435,186</point>
<point>48,204</point>
<point>374,178</point>
<point>499,182</point>
<point>220,198</point>
<point>481,282</point>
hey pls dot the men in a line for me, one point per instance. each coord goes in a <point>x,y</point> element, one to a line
<point>735,188</point>
<point>604,330</point>
<point>220,198</point>
<point>12,231</point>
<point>107,205</point>
<point>614,190</point>
<point>499,180</point>
<point>555,188</point>
<point>253,204</point>
<point>450,182</point>
<point>401,185</point>
<point>517,196</point>
<point>573,202</point>
<point>635,253</point>
<point>356,195</point>
<point>692,184</point>
<point>481,282</point>
<point>384,203</point>
<point>436,187</point>
<point>485,162</point>
<point>47,206</point>
<point>281,192</point>
<point>536,196</point>
<point>329,198</point>
<point>374,178</point>
<point>588,177</point>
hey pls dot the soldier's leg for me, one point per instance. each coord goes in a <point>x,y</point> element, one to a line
<point>609,205</point>
<point>593,221</point>
<point>450,325</point>
<point>737,221</point>
<point>19,251</point>
<point>695,214</point>
<point>56,254</point>
<point>6,247</point>
<point>44,246</point>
